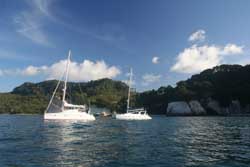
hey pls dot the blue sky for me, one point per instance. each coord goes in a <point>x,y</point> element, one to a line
<point>107,37</point>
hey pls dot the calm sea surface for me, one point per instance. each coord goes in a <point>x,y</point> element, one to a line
<point>28,140</point>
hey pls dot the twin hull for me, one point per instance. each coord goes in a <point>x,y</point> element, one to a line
<point>70,115</point>
<point>132,116</point>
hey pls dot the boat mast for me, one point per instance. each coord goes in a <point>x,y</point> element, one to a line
<point>52,97</point>
<point>129,88</point>
<point>66,79</point>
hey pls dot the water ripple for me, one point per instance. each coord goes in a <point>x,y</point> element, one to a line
<point>163,141</point>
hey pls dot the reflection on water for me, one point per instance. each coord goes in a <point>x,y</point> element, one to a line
<point>163,141</point>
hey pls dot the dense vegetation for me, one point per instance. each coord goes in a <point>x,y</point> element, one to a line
<point>14,104</point>
<point>34,97</point>
<point>223,83</point>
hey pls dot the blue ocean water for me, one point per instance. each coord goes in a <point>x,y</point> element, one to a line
<point>29,141</point>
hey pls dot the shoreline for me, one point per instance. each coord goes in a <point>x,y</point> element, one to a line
<point>232,115</point>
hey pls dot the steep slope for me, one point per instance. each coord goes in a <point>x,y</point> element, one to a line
<point>35,96</point>
<point>222,84</point>
<point>225,83</point>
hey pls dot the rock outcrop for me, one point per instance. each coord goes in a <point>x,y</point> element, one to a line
<point>213,107</point>
<point>246,109</point>
<point>196,108</point>
<point>209,107</point>
<point>178,108</point>
<point>235,107</point>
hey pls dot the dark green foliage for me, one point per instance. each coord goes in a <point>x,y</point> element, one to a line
<point>34,97</point>
<point>223,83</point>
<point>105,92</point>
<point>155,101</point>
<point>17,104</point>
<point>121,105</point>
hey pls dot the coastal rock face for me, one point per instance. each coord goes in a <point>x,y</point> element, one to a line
<point>214,107</point>
<point>235,107</point>
<point>247,109</point>
<point>196,108</point>
<point>210,107</point>
<point>179,108</point>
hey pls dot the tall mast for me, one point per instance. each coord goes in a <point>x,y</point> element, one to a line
<point>129,88</point>
<point>66,78</point>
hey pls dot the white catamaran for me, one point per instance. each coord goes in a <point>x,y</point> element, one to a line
<point>132,114</point>
<point>64,110</point>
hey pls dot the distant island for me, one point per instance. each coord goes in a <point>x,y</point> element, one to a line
<point>222,90</point>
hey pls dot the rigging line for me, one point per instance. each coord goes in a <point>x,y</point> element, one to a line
<point>129,88</point>
<point>54,93</point>
<point>55,105</point>
<point>81,92</point>
<point>88,102</point>
<point>69,93</point>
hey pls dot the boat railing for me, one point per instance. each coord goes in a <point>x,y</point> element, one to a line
<point>137,111</point>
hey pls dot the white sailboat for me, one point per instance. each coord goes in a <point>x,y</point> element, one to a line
<point>67,111</point>
<point>132,114</point>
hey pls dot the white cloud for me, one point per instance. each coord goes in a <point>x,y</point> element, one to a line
<point>232,49</point>
<point>199,35</point>
<point>85,71</point>
<point>150,78</point>
<point>42,5</point>
<point>198,58</point>
<point>155,60</point>
<point>9,72</point>
<point>32,70</point>
<point>29,27</point>
<point>30,22</point>
<point>133,82</point>
<point>127,82</point>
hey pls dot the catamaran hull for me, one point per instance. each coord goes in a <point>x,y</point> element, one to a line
<point>69,116</point>
<point>131,116</point>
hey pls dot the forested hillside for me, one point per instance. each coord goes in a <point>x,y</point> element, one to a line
<point>34,97</point>
<point>223,83</point>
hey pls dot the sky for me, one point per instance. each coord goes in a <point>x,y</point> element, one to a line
<point>163,41</point>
